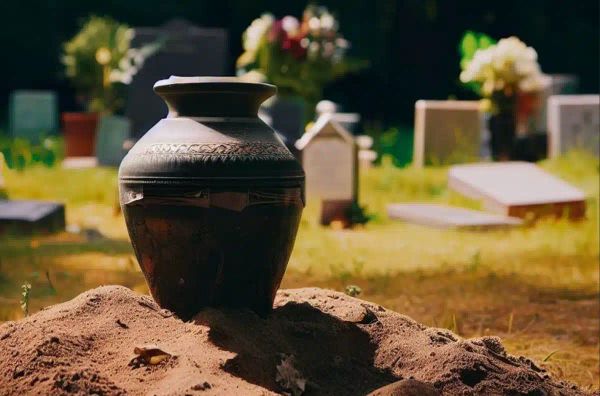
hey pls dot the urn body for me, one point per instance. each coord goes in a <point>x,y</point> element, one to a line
<point>212,198</point>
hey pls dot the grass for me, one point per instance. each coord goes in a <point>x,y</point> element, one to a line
<point>536,286</point>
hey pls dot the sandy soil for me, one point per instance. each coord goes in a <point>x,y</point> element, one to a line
<point>111,340</point>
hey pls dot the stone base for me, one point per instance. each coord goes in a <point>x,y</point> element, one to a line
<point>336,210</point>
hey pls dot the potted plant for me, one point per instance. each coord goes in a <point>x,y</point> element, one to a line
<point>99,62</point>
<point>298,56</point>
<point>508,77</point>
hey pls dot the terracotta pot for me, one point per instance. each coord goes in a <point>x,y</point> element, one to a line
<point>212,198</point>
<point>79,130</point>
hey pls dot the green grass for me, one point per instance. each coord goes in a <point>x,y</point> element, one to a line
<point>535,286</point>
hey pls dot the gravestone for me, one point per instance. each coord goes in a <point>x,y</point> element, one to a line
<point>446,131</point>
<point>31,217</point>
<point>553,84</point>
<point>349,121</point>
<point>79,162</point>
<point>112,133</point>
<point>187,50</point>
<point>443,216</point>
<point>573,122</point>
<point>33,114</point>
<point>517,189</point>
<point>329,159</point>
<point>366,156</point>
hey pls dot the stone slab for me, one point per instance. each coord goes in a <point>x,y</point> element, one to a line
<point>518,189</point>
<point>112,132</point>
<point>446,131</point>
<point>573,123</point>
<point>33,114</point>
<point>443,216</point>
<point>31,217</point>
<point>80,162</point>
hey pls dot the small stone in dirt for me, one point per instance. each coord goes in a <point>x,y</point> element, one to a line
<point>406,387</point>
<point>200,387</point>
<point>123,325</point>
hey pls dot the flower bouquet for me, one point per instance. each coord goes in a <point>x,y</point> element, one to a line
<point>508,77</point>
<point>99,60</point>
<point>300,57</point>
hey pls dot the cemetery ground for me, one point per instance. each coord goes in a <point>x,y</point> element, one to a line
<point>536,287</point>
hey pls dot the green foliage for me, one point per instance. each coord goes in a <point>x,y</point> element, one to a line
<point>26,290</point>
<point>470,43</point>
<point>300,61</point>
<point>358,215</point>
<point>20,153</point>
<point>353,290</point>
<point>99,61</point>
<point>394,143</point>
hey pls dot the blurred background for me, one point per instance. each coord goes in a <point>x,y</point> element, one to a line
<point>412,46</point>
<point>422,89</point>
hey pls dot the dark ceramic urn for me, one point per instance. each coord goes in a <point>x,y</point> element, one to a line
<point>212,198</point>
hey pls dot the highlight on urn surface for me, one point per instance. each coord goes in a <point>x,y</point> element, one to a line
<point>212,198</point>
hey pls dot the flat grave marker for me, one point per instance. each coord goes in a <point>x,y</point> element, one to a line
<point>446,131</point>
<point>443,216</point>
<point>31,217</point>
<point>573,122</point>
<point>517,189</point>
<point>33,114</point>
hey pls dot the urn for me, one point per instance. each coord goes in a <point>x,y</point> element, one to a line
<point>212,198</point>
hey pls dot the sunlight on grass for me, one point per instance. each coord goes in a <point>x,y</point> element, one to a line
<point>535,286</point>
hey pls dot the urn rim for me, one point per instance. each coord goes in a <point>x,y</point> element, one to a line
<point>210,84</point>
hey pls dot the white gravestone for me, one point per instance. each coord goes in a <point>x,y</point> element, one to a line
<point>517,189</point>
<point>329,158</point>
<point>573,122</point>
<point>329,161</point>
<point>446,131</point>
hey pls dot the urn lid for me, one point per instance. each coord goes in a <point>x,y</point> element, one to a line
<point>212,96</point>
<point>211,136</point>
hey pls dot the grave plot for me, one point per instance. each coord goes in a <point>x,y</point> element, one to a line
<point>31,217</point>
<point>573,123</point>
<point>443,216</point>
<point>446,131</point>
<point>517,189</point>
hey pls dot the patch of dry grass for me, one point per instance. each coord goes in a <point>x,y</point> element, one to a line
<point>536,286</point>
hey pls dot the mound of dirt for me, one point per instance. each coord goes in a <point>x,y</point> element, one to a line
<point>111,340</point>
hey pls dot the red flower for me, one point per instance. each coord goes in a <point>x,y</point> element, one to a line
<point>292,44</point>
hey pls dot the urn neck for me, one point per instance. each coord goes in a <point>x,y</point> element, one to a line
<point>212,96</point>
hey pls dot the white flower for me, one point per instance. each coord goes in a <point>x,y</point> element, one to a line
<point>253,76</point>
<point>327,22</point>
<point>255,32</point>
<point>290,24</point>
<point>510,63</point>
<point>314,23</point>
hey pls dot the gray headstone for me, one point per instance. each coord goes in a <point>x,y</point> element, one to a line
<point>443,216</point>
<point>33,114</point>
<point>112,132</point>
<point>518,189</point>
<point>554,84</point>
<point>446,131</point>
<point>31,217</point>
<point>188,50</point>
<point>573,122</point>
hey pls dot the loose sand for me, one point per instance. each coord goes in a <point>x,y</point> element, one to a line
<point>315,342</point>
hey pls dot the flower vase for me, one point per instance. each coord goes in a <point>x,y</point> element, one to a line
<point>502,125</point>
